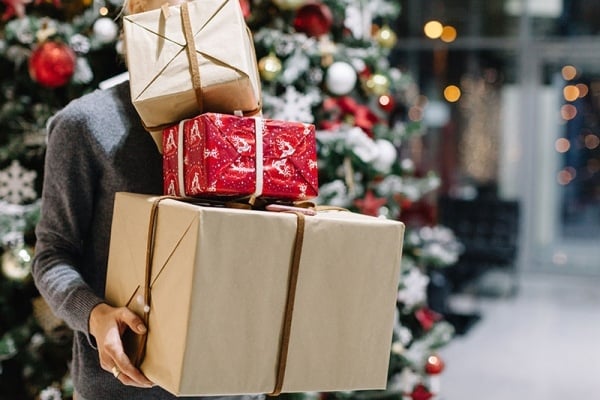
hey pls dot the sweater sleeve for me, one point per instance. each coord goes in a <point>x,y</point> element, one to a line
<point>66,215</point>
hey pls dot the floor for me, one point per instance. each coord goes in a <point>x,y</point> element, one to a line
<point>541,344</point>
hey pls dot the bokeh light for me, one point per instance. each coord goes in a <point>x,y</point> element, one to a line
<point>565,176</point>
<point>583,89</point>
<point>386,102</point>
<point>569,72</point>
<point>433,29</point>
<point>103,11</point>
<point>571,92</point>
<point>591,141</point>
<point>562,145</point>
<point>568,112</point>
<point>448,34</point>
<point>452,93</point>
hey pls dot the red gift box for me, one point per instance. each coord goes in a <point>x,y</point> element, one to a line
<point>226,155</point>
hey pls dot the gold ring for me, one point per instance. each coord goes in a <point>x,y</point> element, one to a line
<point>116,371</point>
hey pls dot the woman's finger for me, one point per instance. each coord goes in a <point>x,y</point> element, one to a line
<point>129,373</point>
<point>132,320</point>
<point>127,380</point>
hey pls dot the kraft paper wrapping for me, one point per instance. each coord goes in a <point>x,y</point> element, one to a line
<point>219,287</point>
<point>159,68</point>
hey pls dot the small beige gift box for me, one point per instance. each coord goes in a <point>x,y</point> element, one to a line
<point>188,59</point>
<point>239,305</point>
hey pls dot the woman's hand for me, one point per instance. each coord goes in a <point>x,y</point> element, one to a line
<point>107,325</point>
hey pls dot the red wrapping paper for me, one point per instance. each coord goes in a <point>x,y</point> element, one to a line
<point>216,155</point>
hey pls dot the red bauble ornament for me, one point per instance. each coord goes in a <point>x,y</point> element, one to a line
<point>434,365</point>
<point>386,102</point>
<point>313,19</point>
<point>52,64</point>
<point>420,392</point>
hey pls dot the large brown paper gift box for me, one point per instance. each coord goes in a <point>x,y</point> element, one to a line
<point>219,288</point>
<point>161,70</point>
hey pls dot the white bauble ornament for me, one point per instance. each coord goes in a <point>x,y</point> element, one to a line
<point>386,157</point>
<point>408,166</point>
<point>340,78</point>
<point>105,30</point>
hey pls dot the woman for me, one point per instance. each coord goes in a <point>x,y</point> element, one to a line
<point>96,147</point>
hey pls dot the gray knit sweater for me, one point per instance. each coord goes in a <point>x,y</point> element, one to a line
<point>96,147</point>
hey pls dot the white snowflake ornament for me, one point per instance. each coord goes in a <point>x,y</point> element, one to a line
<point>358,20</point>
<point>16,184</point>
<point>293,105</point>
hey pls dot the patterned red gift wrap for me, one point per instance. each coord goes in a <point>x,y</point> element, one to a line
<point>221,155</point>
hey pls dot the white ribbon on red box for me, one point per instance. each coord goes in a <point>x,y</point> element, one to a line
<point>259,127</point>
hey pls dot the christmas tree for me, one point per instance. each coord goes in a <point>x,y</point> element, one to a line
<point>326,63</point>
<point>50,53</point>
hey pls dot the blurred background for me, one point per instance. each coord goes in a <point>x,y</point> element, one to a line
<point>476,123</point>
<point>525,73</point>
<point>512,88</point>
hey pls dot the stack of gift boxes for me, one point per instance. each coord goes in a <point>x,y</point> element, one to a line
<point>241,300</point>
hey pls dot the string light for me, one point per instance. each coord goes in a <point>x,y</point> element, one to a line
<point>452,93</point>
<point>565,176</point>
<point>571,92</point>
<point>448,34</point>
<point>568,112</point>
<point>569,72</point>
<point>591,141</point>
<point>433,29</point>
<point>562,145</point>
<point>583,89</point>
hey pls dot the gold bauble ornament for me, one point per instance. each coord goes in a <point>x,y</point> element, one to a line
<point>289,4</point>
<point>377,84</point>
<point>16,262</point>
<point>328,49</point>
<point>269,67</point>
<point>386,37</point>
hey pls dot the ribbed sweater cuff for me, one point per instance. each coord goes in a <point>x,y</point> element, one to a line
<point>83,302</point>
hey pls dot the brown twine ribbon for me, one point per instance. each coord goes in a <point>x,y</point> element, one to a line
<point>191,53</point>
<point>291,289</point>
<point>141,351</point>
<point>289,306</point>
